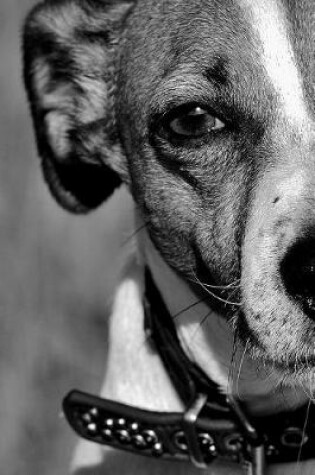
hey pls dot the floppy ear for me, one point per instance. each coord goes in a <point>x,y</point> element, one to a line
<point>70,50</point>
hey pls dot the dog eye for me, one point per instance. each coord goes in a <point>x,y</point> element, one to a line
<point>193,123</point>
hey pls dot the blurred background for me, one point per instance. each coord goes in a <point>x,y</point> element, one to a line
<point>57,274</point>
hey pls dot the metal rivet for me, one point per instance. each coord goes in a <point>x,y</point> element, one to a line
<point>86,417</point>
<point>271,450</point>
<point>150,436</point>
<point>212,449</point>
<point>94,412</point>
<point>139,442</point>
<point>294,437</point>
<point>157,449</point>
<point>123,436</point>
<point>121,423</point>
<point>107,434</point>
<point>134,427</point>
<point>109,423</point>
<point>205,440</point>
<point>92,428</point>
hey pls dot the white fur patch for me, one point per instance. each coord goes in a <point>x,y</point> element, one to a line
<point>292,186</point>
<point>268,21</point>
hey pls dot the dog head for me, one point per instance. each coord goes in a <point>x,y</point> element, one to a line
<point>205,110</point>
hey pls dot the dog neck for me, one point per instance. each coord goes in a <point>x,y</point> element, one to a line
<point>208,340</point>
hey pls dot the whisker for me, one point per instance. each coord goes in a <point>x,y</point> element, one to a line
<point>134,233</point>
<point>232,365</point>
<point>307,392</point>
<point>240,368</point>
<point>176,315</point>
<point>232,285</point>
<point>173,317</point>
<point>189,307</point>
<point>200,324</point>
<point>303,435</point>
<point>227,302</point>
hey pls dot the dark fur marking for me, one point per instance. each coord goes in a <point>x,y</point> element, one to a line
<point>217,73</point>
<point>75,41</point>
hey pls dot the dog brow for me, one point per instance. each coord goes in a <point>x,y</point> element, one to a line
<point>217,73</point>
<point>269,24</point>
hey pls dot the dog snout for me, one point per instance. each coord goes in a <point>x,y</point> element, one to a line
<point>298,274</point>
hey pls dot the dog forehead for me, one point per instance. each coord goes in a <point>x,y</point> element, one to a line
<point>175,27</point>
<point>265,46</point>
<point>285,33</point>
<point>185,38</point>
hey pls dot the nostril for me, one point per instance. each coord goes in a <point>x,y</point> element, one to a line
<point>298,274</point>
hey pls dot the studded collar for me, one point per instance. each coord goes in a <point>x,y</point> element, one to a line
<point>213,426</point>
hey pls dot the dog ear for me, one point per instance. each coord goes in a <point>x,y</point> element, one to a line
<point>70,51</point>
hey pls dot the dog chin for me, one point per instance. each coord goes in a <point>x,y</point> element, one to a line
<point>292,369</point>
<point>294,375</point>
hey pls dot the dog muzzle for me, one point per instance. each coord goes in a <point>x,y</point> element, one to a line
<point>213,425</point>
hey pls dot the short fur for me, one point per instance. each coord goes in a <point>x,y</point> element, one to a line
<point>222,210</point>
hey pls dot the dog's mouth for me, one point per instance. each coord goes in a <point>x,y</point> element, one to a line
<point>271,307</point>
<point>277,317</point>
<point>289,362</point>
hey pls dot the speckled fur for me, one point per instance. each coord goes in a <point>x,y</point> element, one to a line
<point>101,78</point>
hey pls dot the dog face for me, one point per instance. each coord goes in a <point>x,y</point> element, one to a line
<point>205,109</point>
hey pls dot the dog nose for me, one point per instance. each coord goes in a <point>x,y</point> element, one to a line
<point>298,274</point>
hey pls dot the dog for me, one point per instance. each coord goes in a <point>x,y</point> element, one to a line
<point>204,110</point>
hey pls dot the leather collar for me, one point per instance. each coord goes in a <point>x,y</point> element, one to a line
<point>213,425</point>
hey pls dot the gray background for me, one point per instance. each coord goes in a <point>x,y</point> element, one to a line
<point>55,279</point>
